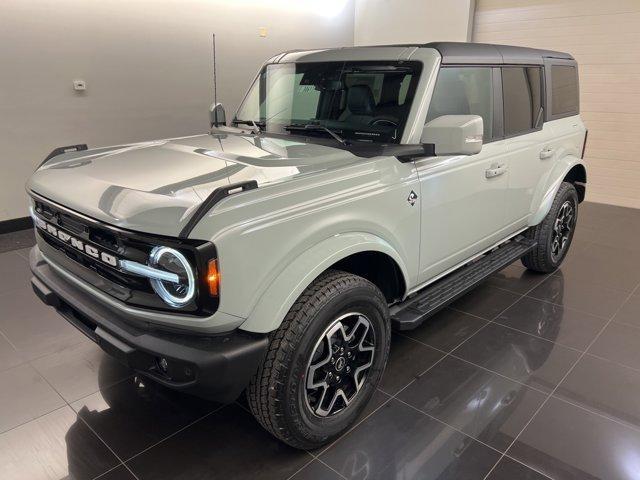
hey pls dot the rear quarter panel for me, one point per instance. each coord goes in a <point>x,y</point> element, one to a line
<point>567,140</point>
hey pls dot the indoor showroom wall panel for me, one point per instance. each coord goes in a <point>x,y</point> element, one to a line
<point>147,65</point>
<point>382,22</point>
<point>604,37</point>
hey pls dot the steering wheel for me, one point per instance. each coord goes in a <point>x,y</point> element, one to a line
<point>384,122</point>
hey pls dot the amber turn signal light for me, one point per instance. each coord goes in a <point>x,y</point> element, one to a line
<point>213,278</point>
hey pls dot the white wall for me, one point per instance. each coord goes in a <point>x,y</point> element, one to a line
<point>147,65</point>
<point>379,22</point>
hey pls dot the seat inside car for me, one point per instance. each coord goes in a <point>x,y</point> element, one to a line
<point>360,105</point>
<point>389,105</point>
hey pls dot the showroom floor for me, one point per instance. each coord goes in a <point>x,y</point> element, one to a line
<point>526,371</point>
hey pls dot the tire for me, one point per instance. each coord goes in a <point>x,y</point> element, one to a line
<point>278,395</point>
<point>546,256</point>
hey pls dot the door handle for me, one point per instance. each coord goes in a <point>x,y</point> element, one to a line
<point>495,170</point>
<point>546,153</point>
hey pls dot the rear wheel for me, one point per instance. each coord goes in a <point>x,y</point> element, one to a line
<point>555,233</point>
<point>324,361</point>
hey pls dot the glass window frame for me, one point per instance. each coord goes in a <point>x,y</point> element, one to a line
<point>412,91</point>
<point>543,99</point>
<point>548,64</point>
<point>498,96</point>
<point>497,130</point>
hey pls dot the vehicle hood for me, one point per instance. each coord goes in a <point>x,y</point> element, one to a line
<point>155,187</point>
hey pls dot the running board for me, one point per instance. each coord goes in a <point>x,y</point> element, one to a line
<point>416,309</point>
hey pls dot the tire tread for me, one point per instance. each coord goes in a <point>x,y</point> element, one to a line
<point>267,386</point>
<point>539,259</point>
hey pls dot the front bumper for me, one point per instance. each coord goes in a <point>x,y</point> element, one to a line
<point>215,367</point>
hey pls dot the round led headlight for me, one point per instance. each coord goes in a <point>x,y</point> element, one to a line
<point>175,294</point>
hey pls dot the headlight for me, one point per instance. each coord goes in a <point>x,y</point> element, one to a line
<point>175,294</point>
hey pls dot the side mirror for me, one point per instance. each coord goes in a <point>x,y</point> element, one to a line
<point>454,134</point>
<point>217,115</point>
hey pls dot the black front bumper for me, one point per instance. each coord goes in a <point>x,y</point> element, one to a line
<point>217,367</point>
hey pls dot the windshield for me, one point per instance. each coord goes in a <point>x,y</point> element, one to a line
<point>358,101</point>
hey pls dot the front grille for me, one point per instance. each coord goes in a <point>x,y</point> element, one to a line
<point>117,245</point>
<point>120,244</point>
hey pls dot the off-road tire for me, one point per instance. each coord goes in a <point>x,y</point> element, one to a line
<point>540,258</point>
<point>275,393</point>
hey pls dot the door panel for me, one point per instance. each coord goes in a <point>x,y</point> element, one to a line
<point>530,154</point>
<point>463,212</point>
<point>530,159</point>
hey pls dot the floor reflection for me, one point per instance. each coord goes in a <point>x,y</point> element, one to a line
<point>530,359</point>
<point>398,442</point>
<point>489,407</point>
<point>54,446</point>
<point>136,413</point>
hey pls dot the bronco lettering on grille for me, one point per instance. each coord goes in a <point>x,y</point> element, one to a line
<point>76,243</point>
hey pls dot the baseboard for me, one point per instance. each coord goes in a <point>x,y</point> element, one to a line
<point>16,224</point>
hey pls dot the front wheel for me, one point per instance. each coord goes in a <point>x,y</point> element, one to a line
<point>554,234</point>
<point>323,362</point>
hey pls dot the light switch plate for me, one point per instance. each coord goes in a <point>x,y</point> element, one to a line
<point>79,85</point>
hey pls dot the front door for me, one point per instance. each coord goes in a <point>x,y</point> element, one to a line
<point>462,203</point>
<point>462,198</point>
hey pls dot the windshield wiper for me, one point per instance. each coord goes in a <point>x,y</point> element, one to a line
<point>314,127</point>
<point>257,125</point>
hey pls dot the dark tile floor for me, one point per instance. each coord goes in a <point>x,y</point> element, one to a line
<point>528,377</point>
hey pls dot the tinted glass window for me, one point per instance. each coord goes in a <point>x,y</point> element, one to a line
<point>522,93</point>
<point>564,90</point>
<point>359,101</point>
<point>464,91</point>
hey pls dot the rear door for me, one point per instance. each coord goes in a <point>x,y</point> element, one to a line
<point>529,140</point>
<point>462,208</point>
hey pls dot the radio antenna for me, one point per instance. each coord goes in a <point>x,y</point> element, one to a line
<point>215,89</point>
<point>216,113</point>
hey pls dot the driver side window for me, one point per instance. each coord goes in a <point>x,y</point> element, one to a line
<point>464,91</point>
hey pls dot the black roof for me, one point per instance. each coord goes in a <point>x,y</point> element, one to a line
<point>484,53</point>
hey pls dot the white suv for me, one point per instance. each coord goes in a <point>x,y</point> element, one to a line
<point>355,190</point>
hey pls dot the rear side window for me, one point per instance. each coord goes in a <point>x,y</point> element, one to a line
<point>464,91</point>
<point>564,90</point>
<point>522,95</point>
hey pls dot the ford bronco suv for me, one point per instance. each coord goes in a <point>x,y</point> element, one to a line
<point>355,191</point>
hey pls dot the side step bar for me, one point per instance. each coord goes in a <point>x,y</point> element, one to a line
<point>416,309</point>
